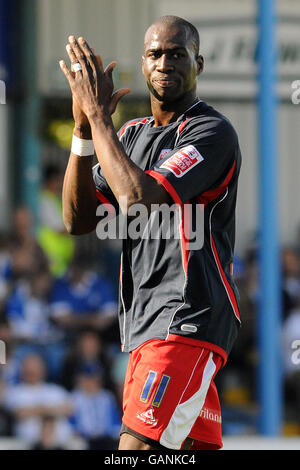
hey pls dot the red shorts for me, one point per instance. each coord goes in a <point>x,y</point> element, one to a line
<point>169,394</point>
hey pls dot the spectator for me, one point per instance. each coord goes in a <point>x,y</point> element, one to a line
<point>291,362</point>
<point>52,235</point>
<point>83,299</point>
<point>96,415</point>
<point>48,438</point>
<point>27,256</point>
<point>239,378</point>
<point>5,270</point>
<point>119,367</point>
<point>28,315</point>
<point>6,419</point>
<point>8,374</point>
<point>34,399</point>
<point>291,278</point>
<point>88,351</point>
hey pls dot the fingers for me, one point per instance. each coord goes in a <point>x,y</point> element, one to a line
<point>78,54</point>
<point>116,97</point>
<point>66,71</point>
<point>100,63</point>
<point>110,67</point>
<point>95,64</point>
<point>120,93</point>
<point>108,72</point>
<point>80,51</point>
<point>72,57</point>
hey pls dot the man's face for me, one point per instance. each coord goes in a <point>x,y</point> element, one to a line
<point>170,63</point>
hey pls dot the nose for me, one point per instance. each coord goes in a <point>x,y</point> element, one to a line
<point>164,64</point>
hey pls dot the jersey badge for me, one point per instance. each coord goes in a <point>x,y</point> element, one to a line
<point>183,161</point>
<point>163,153</point>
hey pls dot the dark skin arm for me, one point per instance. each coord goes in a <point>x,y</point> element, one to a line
<point>92,88</point>
<point>79,192</point>
<point>127,181</point>
<point>79,196</point>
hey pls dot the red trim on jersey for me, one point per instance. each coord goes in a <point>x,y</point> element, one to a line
<point>182,126</point>
<point>184,223</point>
<point>180,129</point>
<point>105,202</point>
<point>227,286</point>
<point>132,123</point>
<point>166,184</point>
<point>212,194</point>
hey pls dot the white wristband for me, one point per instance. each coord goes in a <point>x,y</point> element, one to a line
<point>82,147</point>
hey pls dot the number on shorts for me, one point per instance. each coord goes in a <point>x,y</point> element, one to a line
<point>160,390</point>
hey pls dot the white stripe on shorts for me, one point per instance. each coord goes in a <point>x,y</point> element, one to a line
<point>186,413</point>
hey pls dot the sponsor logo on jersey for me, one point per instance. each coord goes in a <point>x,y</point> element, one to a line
<point>147,416</point>
<point>211,415</point>
<point>183,161</point>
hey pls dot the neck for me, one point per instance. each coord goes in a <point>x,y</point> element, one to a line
<point>166,112</point>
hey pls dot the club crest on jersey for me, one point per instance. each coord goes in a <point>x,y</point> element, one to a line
<point>183,161</point>
<point>163,153</point>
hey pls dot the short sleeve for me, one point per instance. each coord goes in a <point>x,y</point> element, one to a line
<point>202,160</point>
<point>104,193</point>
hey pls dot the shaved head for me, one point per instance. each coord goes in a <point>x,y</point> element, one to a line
<point>171,62</point>
<point>175,22</point>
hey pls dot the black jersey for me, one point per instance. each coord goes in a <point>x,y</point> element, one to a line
<point>169,285</point>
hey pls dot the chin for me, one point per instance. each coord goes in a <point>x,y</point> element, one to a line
<point>166,96</point>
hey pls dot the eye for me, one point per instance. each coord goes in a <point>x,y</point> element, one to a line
<point>155,54</point>
<point>177,55</point>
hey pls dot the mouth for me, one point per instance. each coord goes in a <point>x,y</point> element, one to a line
<point>165,83</point>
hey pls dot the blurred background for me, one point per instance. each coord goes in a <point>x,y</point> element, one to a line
<point>61,370</point>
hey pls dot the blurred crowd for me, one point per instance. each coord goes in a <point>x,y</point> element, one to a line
<point>238,382</point>
<point>63,374</point>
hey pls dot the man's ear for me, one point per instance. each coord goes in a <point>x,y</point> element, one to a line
<point>200,62</point>
<point>143,61</point>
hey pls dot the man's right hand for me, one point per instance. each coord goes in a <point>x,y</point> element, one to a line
<point>82,127</point>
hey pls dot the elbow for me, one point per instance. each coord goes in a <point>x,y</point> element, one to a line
<point>71,228</point>
<point>69,224</point>
<point>128,209</point>
<point>131,206</point>
<point>82,228</point>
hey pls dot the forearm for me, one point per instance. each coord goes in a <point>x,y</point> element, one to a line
<point>92,90</point>
<point>79,195</point>
<point>129,183</point>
